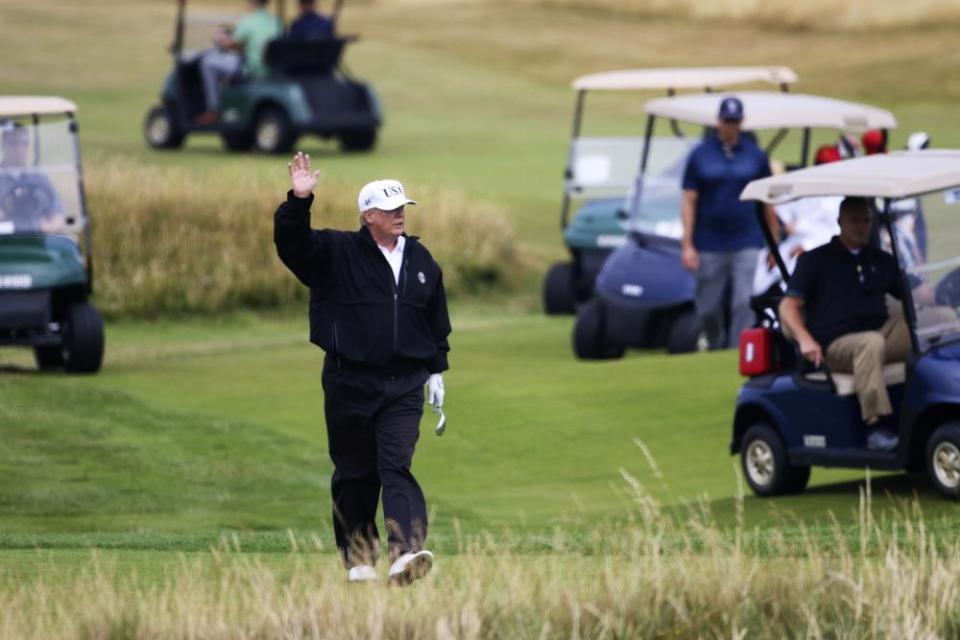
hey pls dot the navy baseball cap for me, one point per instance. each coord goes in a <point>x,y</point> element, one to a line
<point>731,109</point>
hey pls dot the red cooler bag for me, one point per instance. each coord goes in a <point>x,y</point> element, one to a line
<point>756,352</point>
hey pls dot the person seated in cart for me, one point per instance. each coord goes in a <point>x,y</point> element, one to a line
<point>249,38</point>
<point>310,25</point>
<point>841,289</point>
<point>28,198</point>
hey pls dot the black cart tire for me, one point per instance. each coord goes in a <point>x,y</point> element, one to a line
<point>162,130</point>
<point>943,459</point>
<point>766,468</point>
<point>354,141</point>
<point>685,334</point>
<point>589,334</point>
<point>240,140</point>
<point>48,357</point>
<point>558,289</point>
<point>273,132</point>
<point>83,339</point>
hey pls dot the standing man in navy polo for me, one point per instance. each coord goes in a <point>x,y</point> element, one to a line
<point>721,237</point>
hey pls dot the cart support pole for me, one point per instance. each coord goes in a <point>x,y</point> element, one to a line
<point>177,45</point>
<point>335,14</point>
<point>644,155</point>
<point>906,293</point>
<point>87,241</point>
<point>772,246</point>
<point>805,147</point>
<point>568,173</point>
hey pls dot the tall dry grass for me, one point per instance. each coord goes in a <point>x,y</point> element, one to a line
<point>658,577</point>
<point>827,15</point>
<point>169,240</point>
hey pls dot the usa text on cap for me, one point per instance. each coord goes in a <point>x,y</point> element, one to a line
<point>385,195</point>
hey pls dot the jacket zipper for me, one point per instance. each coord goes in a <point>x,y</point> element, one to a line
<point>336,347</point>
<point>396,303</point>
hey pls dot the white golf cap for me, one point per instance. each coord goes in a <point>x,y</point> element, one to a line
<point>385,195</point>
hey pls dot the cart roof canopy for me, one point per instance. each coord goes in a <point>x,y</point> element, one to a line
<point>29,105</point>
<point>682,78</point>
<point>900,174</point>
<point>775,110</point>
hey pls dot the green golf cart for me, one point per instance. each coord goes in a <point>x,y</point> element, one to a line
<point>46,274</point>
<point>304,90</point>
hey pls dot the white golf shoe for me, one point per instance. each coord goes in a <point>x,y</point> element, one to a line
<point>410,567</point>
<point>362,573</point>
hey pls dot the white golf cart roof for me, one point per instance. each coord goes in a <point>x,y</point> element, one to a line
<point>682,78</point>
<point>900,174</point>
<point>29,105</point>
<point>775,110</point>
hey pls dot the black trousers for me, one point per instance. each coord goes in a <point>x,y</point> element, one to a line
<point>373,423</point>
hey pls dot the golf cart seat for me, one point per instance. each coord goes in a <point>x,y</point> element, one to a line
<point>893,373</point>
<point>311,57</point>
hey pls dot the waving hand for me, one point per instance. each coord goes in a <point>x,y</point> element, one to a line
<point>302,178</point>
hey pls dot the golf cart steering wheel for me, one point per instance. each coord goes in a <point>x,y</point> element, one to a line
<point>947,292</point>
<point>24,203</point>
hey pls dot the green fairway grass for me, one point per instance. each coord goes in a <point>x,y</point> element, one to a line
<point>199,427</point>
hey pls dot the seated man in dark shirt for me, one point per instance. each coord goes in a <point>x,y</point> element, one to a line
<point>310,25</point>
<point>842,288</point>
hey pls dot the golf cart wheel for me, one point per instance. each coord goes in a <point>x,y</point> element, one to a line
<point>273,131</point>
<point>357,140</point>
<point>765,466</point>
<point>686,334</point>
<point>83,339</point>
<point>48,357</point>
<point>161,129</point>
<point>589,334</point>
<point>943,460</point>
<point>237,140</point>
<point>558,289</point>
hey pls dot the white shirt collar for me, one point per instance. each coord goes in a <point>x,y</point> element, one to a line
<point>394,258</point>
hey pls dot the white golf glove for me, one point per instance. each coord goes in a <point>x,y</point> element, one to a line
<point>435,389</point>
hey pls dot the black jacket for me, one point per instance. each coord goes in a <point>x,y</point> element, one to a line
<point>358,312</point>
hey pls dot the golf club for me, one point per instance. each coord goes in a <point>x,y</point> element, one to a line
<point>442,424</point>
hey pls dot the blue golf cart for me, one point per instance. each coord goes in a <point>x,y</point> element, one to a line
<point>643,297</point>
<point>601,170</point>
<point>789,418</point>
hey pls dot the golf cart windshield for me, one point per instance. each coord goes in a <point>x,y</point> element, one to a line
<point>927,233</point>
<point>39,177</point>
<point>603,167</point>
<point>657,210</point>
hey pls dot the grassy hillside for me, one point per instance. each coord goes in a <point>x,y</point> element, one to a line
<point>476,95</point>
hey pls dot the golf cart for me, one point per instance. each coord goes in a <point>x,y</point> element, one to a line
<point>306,90</point>
<point>643,297</point>
<point>601,170</point>
<point>789,418</point>
<point>46,274</point>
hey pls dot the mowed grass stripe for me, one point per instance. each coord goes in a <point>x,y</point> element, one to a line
<point>233,439</point>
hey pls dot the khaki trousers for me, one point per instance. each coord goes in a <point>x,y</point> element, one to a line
<point>863,354</point>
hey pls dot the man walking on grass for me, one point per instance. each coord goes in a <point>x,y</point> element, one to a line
<point>379,311</point>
